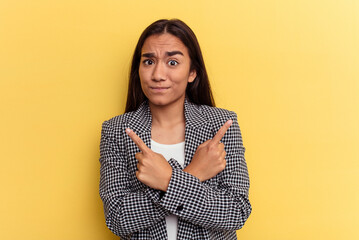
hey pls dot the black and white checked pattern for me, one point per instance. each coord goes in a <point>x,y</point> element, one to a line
<point>213,209</point>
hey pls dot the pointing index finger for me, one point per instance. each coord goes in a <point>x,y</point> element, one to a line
<point>137,140</point>
<point>219,135</point>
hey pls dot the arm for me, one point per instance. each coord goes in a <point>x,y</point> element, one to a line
<point>122,204</point>
<point>220,206</point>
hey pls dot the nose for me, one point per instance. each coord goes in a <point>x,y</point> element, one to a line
<point>159,72</point>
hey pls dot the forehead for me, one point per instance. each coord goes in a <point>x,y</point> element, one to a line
<point>163,42</point>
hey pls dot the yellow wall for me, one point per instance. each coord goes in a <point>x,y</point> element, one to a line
<point>290,69</point>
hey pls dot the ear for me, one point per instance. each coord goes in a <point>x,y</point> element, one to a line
<point>192,76</point>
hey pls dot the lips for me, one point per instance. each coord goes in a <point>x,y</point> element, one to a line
<point>159,89</point>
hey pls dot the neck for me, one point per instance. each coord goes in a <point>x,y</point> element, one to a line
<point>167,116</point>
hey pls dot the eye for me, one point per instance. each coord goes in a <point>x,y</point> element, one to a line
<point>172,62</point>
<point>148,62</point>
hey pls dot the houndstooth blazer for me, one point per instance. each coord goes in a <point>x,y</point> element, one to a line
<point>212,209</point>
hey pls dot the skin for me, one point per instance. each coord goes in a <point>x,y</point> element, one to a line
<point>164,74</point>
<point>165,70</point>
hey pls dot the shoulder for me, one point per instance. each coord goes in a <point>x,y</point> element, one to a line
<point>217,113</point>
<point>135,119</point>
<point>215,116</point>
<point>114,127</point>
<point>117,121</point>
<point>117,125</point>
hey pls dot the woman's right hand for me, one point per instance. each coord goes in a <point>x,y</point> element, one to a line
<point>209,158</point>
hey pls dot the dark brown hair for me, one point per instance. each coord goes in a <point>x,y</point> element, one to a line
<point>198,91</point>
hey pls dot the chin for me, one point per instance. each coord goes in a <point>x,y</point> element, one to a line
<point>162,101</point>
<point>158,102</point>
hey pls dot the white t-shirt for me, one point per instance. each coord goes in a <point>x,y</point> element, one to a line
<point>175,151</point>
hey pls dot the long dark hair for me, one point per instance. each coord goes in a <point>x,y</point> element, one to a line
<point>198,91</point>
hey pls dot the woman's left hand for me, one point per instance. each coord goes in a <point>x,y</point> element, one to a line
<point>152,168</point>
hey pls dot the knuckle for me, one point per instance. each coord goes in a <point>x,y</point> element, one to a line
<point>222,132</point>
<point>139,176</point>
<point>211,146</point>
<point>208,147</point>
<point>224,164</point>
<point>204,144</point>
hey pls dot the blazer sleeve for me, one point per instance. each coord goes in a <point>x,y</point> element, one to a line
<point>126,211</point>
<point>220,206</point>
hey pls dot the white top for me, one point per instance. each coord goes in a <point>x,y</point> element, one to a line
<point>175,151</point>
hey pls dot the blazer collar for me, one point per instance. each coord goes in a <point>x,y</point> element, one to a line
<point>142,118</point>
<point>193,115</point>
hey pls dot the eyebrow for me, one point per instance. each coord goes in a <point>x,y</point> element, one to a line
<point>170,54</point>
<point>174,53</point>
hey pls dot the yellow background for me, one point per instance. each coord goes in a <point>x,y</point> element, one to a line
<point>290,69</point>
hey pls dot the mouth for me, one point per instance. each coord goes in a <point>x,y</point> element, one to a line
<point>159,89</point>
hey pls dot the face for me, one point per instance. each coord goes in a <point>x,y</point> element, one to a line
<point>165,70</point>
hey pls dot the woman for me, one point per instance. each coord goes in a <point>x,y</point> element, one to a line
<point>172,166</point>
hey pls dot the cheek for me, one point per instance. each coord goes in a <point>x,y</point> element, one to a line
<point>181,78</point>
<point>144,75</point>
<point>141,73</point>
<point>142,82</point>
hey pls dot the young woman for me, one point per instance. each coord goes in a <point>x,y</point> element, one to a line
<point>172,166</point>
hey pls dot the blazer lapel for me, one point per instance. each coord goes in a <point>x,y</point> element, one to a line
<point>141,124</point>
<point>197,131</point>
